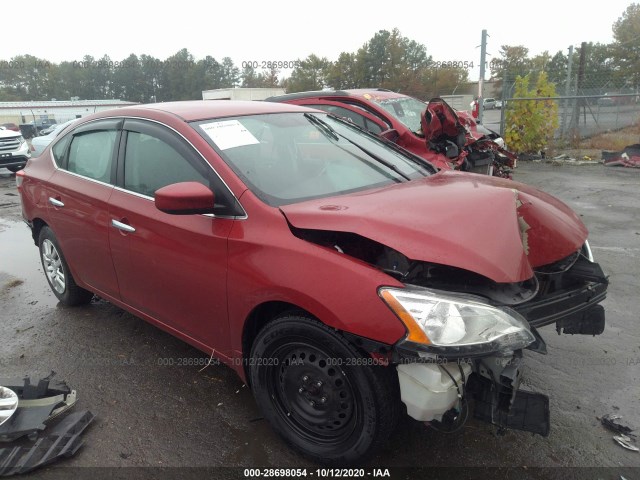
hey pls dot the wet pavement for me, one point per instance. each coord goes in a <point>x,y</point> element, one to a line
<point>157,407</point>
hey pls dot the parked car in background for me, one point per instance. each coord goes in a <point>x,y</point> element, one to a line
<point>434,131</point>
<point>14,150</point>
<point>616,98</point>
<point>33,129</point>
<point>339,275</point>
<point>43,124</point>
<point>489,103</point>
<point>48,130</point>
<point>11,126</point>
<point>498,104</point>
<point>606,101</point>
<point>38,144</point>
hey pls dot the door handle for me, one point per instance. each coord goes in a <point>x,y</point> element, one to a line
<point>55,203</point>
<point>122,226</point>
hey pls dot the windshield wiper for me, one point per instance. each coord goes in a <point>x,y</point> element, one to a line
<point>325,127</point>
<point>329,131</point>
<point>378,159</point>
<point>420,162</point>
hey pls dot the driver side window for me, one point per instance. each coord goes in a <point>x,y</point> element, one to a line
<point>151,163</point>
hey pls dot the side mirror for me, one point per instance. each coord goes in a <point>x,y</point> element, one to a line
<point>185,198</point>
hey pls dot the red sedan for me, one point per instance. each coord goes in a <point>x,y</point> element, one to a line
<point>342,277</point>
<point>447,138</point>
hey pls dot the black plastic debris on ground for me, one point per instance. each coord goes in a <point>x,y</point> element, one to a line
<point>612,422</point>
<point>37,403</point>
<point>629,157</point>
<point>62,441</point>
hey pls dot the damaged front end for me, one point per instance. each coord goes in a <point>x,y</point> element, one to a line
<point>466,332</point>
<point>475,336</point>
<point>467,145</point>
<point>467,346</point>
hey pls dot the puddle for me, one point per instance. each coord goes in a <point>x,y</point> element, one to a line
<point>21,260</point>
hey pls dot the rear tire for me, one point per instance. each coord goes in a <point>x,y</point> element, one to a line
<point>57,271</point>
<point>15,169</point>
<point>326,399</point>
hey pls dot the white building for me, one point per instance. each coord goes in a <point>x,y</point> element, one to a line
<point>60,111</point>
<point>241,93</point>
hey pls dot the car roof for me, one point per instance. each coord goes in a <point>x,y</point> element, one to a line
<point>206,109</point>
<point>366,93</point>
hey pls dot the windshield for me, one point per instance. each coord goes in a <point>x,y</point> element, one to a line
<point>291,157</point>
<point>407,110</point>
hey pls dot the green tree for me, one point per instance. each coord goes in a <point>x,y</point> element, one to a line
<point>251,78</point>
<point>514,61</point>
<point>342,73</point>
<point>626,45</point>
<point>211,72</point>
<point>601,74</point>
<point>438,81</point>
<point>128,80</point>
<point>177,77</point>
<point>310,74</point>
<point>151,68</point>
<point>25,77</point>
<point>270,77</point>
<point>557,68</point>
<point>230,74</point>
<point>530,124</point>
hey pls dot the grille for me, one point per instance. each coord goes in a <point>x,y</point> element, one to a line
<point>9,144</point>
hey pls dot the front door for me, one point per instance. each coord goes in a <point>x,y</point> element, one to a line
<point>172,268</point>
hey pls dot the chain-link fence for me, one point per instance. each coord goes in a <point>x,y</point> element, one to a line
<point>586,104</point>
<point>578,116</point>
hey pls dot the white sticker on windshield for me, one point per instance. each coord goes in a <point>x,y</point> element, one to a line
<point>229,134</point>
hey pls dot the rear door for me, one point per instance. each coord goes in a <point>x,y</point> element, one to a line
<point>171,268</point>
<point>78,202</point>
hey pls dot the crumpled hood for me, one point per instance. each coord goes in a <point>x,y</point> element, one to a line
<point>495,227</point>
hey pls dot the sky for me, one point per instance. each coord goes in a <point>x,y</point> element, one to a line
<point>278,30</point>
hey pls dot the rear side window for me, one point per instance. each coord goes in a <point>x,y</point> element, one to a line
<point>152,164</point>
<point>59,149</point>
<point>91,154</point>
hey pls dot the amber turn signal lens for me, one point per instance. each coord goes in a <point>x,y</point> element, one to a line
<point>416,334</point>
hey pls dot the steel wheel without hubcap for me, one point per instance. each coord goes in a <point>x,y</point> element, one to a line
<point>319,392</point>
<point>315,397</point>
<point>53,266</point>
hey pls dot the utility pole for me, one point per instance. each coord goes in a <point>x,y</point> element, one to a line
<point>567,91</point>
<point>579,103</point>
<point>503,110</point>
<point>483,60</point>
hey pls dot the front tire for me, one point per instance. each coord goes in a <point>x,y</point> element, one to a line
<point>57,271</point>
<point>320,393</point>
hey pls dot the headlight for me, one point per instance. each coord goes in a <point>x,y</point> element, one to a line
<point>448,323</point>
<point>586,251</point>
